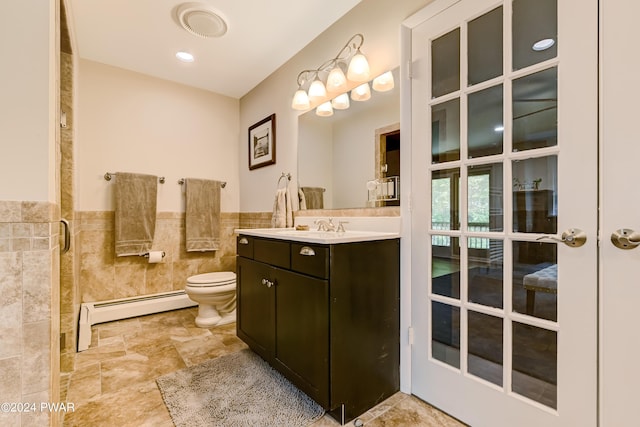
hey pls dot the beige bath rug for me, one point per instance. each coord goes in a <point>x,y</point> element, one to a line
<point>239,389</point>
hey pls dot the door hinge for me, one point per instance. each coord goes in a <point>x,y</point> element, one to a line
<point>409,70</point>
<point>410,335</point>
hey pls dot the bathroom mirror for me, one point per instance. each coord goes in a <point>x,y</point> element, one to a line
<point>339,155</point>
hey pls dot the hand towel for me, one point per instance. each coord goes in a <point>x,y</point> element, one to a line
<point>282,209</point>
<point>302,202</point>
<point>279,217</point>
<point>202,215</point>
<point>288,208</point>
<point>135,211</point>
<point>314,196</point>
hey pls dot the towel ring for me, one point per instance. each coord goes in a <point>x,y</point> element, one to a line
<point>284,175</point>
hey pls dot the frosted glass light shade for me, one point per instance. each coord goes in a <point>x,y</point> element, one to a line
<point>324,110</point>
<point>358,68</point>
<point>300,100</point>
<point>383,82</point>
<point>361,93</point>
<point>340,102</point>
<point>317,90</point>
<point>336,82</point>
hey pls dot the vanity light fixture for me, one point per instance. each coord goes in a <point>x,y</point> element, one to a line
<point>185,56</point>
<point>325,109</point>
<point>384,82</point>
<point>357,71</point>
<point>340,102</point>
<point>300,100</point>
<point>317,91</point>
<point>543,44</point>
<point>361,93</point>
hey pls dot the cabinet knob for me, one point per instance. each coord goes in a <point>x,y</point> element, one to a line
<point>243,241</point>
<point>307,251</point>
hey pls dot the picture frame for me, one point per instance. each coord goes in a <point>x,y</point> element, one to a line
<point>262,143</point>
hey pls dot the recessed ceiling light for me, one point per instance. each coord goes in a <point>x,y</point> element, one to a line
<point>185,56</point>
<point>543,44</point>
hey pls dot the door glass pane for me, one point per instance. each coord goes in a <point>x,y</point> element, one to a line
<point>445,199</point>
<point>445,131</point>
<point>485,347</point>
<point>535,110</point>
<point>485,271</point>
<point>445,266</point>
<point>485,47</point>
<point>485,122</point>
<point>535,360</point>
<point>445,64</point>
<point>535,279</point>
<point>484,198</point>
<point>535,27</point>
<point>535,200</point>
<point>445,333</point>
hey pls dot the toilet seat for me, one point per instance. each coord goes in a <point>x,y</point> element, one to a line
<point>219,278</point>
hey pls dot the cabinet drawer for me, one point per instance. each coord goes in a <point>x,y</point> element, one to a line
<point>245,246</point>
<point>274,252</point>
<point>310,259</point>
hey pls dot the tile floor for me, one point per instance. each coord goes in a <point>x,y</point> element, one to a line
<point>114,380</point>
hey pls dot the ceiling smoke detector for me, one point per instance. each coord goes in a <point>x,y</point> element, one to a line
<point>201,20</point>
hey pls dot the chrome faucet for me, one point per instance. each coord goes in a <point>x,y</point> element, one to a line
<point>325,225</point>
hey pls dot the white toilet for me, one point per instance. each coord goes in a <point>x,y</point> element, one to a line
<point>215,294</point>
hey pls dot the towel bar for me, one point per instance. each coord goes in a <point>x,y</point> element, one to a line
<point>109,175</point>
<point>222,184</point>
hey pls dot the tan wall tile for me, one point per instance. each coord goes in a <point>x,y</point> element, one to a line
<point>36,357</point>
<point>10,211</point>
<point>38,212</point>
<point>36,276</point>
<point>10,304</point>
<point>134,275</point>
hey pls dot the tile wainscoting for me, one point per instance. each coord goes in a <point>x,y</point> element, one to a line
<point>29,309</point>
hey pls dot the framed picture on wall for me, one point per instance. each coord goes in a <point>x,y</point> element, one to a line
<point>262,143</point>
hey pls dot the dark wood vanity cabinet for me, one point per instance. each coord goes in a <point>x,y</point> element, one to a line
<point>325,316</point>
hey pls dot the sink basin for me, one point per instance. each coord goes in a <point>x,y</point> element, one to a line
<point>313,236</point>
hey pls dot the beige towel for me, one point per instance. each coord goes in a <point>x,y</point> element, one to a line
<point>314,197</point>
<point>282,209</point>
<point>202,217</point>
<point>136,199</point>
<point>302,201</point>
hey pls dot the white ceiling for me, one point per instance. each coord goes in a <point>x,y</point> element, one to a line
<point>143,36</point>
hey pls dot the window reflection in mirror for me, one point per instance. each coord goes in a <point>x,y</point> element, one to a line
<point>339,155</point>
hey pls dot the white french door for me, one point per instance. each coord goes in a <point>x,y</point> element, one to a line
<point>620,209</point>
<point>504,187</point>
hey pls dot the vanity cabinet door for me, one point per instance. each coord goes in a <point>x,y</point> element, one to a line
<point>302,332</point>
<point>255,323</point>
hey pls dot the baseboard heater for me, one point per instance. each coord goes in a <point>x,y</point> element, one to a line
<point>92,313</point>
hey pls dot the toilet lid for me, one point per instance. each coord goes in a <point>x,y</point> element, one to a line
<point>217,278</point>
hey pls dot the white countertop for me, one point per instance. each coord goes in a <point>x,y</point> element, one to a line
<point>322,237</point>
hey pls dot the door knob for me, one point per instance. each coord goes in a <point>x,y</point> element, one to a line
<point>625,238</point>
<point>573,237</point>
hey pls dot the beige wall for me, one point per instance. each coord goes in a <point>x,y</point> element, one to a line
<point>29,210</point>
<point>29,98</point>
<point>379,21</point>
<point>131,122</point>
